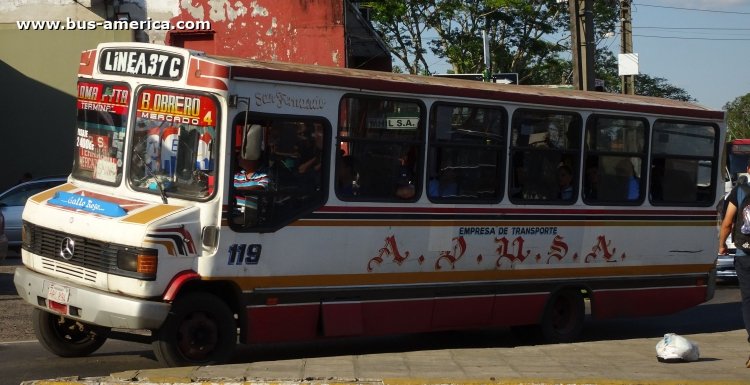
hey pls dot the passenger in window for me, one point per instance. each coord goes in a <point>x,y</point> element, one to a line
<point>310,156</point>
<point>444,185</point>
<point>625,168</point>
<point>591,183</point>
<point>252,176</point>
<point>405,187</point>
<point>346,180</point>
<point>519,176</point>
<point>565,180</point>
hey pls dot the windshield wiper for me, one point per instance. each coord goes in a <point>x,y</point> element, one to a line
<point>152,176</point>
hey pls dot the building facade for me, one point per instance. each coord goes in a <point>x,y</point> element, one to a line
<point>41,41</point>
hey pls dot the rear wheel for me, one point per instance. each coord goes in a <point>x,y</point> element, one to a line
<point>563,316</point>
<point>66,337</point>
<point>200,330</point>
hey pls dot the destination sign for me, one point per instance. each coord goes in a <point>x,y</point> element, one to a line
<point>141,63</point>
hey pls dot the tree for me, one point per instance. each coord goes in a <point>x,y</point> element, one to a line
<point>402,25</point>
<point>738,118</point>
<point>531,38</point>
<point>515,28</point>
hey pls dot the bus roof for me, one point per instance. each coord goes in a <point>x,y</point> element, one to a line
<point>417,84</point>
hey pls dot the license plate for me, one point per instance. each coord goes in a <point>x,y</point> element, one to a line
<point>58,293</point>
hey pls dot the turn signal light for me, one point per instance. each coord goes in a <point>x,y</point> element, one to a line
<point>147,264</point>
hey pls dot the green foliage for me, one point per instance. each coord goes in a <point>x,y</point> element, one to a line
<point>531,38</point>
<point>738,118</point>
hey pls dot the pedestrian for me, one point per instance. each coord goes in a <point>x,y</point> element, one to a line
<point>732,223</point>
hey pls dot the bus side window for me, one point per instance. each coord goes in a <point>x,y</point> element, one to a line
<point>683,156</point>
<point>385,136</point>
<point>545,157</point>
<point>280,172</point>
<point>466,154</point>
<point>615,160</point>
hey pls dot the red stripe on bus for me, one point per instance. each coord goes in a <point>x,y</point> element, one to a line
<point>646,301</point>
<point>371,318</point>
<point>207,74</point>
<point>300,322</point>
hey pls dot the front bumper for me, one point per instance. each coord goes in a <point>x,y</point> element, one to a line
<point>92,306</point>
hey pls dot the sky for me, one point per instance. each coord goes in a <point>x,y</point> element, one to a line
<point>701,46</point>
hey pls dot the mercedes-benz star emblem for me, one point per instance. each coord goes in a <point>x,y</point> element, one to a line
<point>67,248</point>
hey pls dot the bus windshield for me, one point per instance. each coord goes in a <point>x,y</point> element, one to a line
<point>174,147</point>
<point>100,131</point>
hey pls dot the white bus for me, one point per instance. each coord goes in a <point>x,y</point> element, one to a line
<point>371,203</point>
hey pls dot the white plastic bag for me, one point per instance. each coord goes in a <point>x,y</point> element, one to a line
<point>675,348</point>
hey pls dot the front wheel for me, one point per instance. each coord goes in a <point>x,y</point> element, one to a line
<point>563,317</point>
<point>66,337</point>
<point>200,330</point>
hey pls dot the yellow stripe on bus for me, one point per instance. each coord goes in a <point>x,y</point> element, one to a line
<point>43,196</point>
<point>151,214</point>
<point>250,283</point>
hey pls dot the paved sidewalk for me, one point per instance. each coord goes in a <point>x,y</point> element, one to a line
<point>631,361</point>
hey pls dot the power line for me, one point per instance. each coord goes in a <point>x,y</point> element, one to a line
<point>697,28</point>
<point>692,9</point>
<point>694,38</point>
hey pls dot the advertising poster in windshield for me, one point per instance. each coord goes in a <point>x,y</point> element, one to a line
<point>103,108</point>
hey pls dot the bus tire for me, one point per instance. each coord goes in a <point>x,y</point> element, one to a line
<point>200,330</point>
<point>563,317</point>
<point>66,337</point>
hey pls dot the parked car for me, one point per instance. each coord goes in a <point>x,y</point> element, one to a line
<point>3,239</point>
<point>13,200</point>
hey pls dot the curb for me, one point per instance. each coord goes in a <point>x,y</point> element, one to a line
<point>166,379</point>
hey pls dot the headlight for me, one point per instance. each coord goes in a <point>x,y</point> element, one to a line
<point>141,261</point>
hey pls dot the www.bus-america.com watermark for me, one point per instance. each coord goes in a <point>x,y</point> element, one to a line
<point>70,24</point>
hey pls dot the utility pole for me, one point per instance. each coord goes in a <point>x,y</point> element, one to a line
<point>582,43</point>
<point>626,43</point>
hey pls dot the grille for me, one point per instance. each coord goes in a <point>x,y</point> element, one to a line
<point>77,272</point>
<point>90,256</point>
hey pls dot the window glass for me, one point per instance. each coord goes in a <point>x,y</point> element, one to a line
<point>545,157</point>
<point>280,169</point>
<point>466,153</point>
<point>615,160</point>
<point>683,163</point>
<point>175,151</point>
<point>100,131</point>
<point>379,149</point>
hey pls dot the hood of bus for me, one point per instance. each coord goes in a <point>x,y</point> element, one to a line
<point>172,229</point>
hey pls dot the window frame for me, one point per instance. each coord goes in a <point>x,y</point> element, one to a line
<point>217,127</point>
<point>249,118</point>
<point>644,156</point>
<point>436,145</point>
<point>713,158</point>
<point>342,142</point>
<point>574,153</point>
